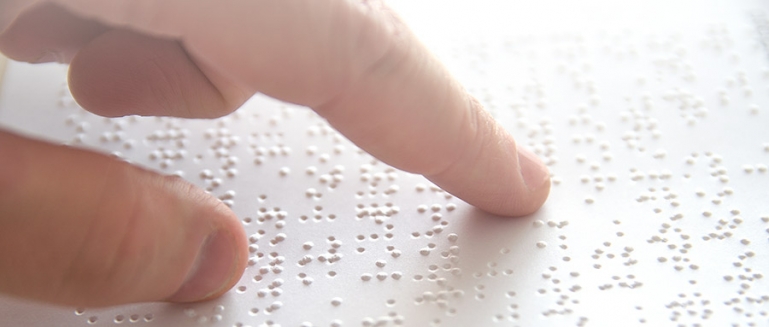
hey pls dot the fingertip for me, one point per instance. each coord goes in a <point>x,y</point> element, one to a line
<point>527,192</point>
<point>536,177</point>
<point>218,266</point>
<point>221,255</point>
<point>499,178</point>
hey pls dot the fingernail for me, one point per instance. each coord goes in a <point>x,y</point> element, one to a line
<point>212,270</point>
<point>533,170</point>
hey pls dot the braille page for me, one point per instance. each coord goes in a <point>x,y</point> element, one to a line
<point>653,118</point>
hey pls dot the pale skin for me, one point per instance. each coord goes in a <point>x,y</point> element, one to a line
<point>80,228</point>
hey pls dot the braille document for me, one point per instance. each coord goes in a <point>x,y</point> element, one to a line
<point>652,116</point>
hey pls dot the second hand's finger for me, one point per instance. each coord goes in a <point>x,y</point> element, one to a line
<point>79,228</point>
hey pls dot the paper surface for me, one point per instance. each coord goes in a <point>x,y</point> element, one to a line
<point>653,118</point>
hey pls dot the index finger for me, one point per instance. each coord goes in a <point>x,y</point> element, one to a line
<point>357,65</point>
<point>410,112</point>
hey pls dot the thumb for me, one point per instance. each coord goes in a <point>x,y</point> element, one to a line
<point>80,228</point>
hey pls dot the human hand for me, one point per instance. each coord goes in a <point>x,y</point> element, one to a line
<point>80,228</point>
